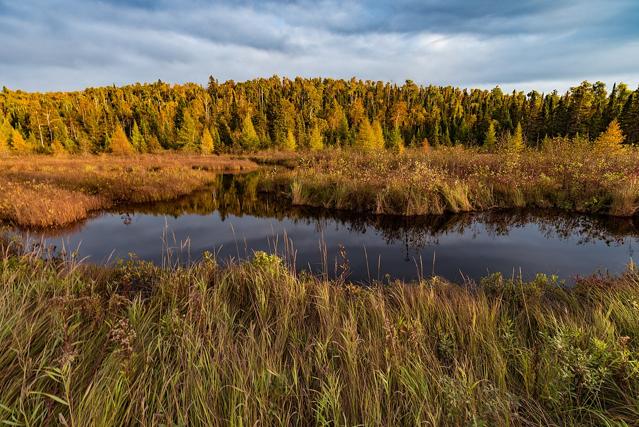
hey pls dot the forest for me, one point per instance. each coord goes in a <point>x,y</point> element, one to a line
<point>301,114</point>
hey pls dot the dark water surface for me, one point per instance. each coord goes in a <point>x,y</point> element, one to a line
<point>232,220</point>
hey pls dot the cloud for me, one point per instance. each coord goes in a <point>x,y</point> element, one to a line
<point>543,44</point>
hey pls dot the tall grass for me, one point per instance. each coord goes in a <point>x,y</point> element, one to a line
<point>252,344</point>
<point>40,191</point>
<point>565,175</point>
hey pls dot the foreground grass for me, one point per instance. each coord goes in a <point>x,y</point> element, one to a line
<point>567,175</point>
<point>251,344</point>
<point>41,191</point>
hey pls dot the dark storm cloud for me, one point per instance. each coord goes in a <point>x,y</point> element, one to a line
<point>64,44</point>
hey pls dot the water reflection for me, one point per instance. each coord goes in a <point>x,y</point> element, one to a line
<point>234,216</point>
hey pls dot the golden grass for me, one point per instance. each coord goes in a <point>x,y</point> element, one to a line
<point>252,344</point>
<point>566,176</point>
<point>41,191</point>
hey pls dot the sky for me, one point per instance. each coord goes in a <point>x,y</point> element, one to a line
<point>51,45</point>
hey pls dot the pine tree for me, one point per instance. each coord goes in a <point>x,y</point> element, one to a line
<point>316,142</point>
<point>490,139</point>
<point>207,145</point>
<point>395,140</point>
<point>152,144</point>
<point>612,138</point>
<point>378,136</point>
<point>516,141</point>
<point>248,138</point>
<point>119,143</point>
<point>290,144</point>
<point>365,138</point>
<point>57,149</point>
<point>18,144</point>
<point>137,139</point>
<point>187,133</point>
<point>5,134</point>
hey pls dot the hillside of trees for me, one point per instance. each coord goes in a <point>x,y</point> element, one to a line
<point>303,114</point>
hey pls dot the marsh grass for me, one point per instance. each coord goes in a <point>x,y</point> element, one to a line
<point>41,191</point>
<point>252,344</point>
<point>566,176</point>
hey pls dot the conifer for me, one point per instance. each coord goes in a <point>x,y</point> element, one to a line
<point>207,145</point>
<point>57,149</point>
<point>365,137</point>
<point>137,139</point>
<point>517,139</point>
<point>119,143</point>
<point>612,138</point>
<point>18,144</point>
<point>395,140</point>
<point>290,144</point>
<point>187,133</point>
<point>248,138</point>
<point>490,139</point>
<point>378,136</point>
<point>316,142</point>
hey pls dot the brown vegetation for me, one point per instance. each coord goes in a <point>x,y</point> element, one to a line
<point>40,191</point>
<point>571,175</point>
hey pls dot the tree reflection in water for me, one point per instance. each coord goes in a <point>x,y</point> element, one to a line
<point>240,195</point>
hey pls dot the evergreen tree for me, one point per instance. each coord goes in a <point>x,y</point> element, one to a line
<point>5,134</point>
<point>18,144</point>
<point>119,143</point>
<point>395,140</point>
<point>612,138</point>
<point>152,144</point>
<point>207,145</point>
<point>316,142</point>
<point>365,138</point>
<point>57,149</point>
<point>290,144</point>
<point>137,139</point>
<point>517,139</point>
<point>248,138</point>
<point>186,137</point>
<point>490,139</point>
<point>378,136</point>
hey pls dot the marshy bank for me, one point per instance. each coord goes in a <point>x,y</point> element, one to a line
<point>45,191</point>
<point>253,343</point>
<point>565,175</point>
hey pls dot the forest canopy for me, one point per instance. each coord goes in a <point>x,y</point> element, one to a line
<point>296,114</point>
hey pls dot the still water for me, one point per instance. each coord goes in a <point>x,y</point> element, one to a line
<point>231,220</point>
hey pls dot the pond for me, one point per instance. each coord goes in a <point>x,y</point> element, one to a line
<point>231,219</point>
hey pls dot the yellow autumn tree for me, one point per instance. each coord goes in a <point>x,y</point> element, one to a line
<point>18,144</point>
<point>248,138</point>
<point>206,146</point>
<point>57,149</point>
<point>120,144</point>
<point>316,142</point>
<point>290,144</point>
<point>516,141</point>
<point>612,138</point>
<point>378,136</point>
<point>5,135</point>
<point>365,138</point>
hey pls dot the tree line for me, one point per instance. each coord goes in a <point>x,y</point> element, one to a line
<point>293,114</point>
